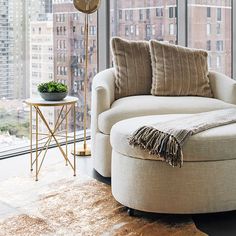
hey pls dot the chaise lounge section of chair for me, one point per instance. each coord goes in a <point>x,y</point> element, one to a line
<point>107,111</point>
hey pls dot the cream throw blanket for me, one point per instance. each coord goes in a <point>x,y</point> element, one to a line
<point>166,139</point>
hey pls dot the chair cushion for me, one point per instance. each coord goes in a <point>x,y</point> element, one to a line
<point>179,71</point>
<point>132,62</point>
<point>214,144</point>
<point>134,106</point>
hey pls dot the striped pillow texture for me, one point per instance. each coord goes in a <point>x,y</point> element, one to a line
<point>179,71</point>
<point>132,62</point>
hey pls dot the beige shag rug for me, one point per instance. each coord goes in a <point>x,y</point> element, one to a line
<point>79,206</point>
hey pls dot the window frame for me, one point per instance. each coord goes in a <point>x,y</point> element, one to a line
<point>103,36</point>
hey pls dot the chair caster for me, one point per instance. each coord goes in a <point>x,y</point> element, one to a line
<point>130,212</point>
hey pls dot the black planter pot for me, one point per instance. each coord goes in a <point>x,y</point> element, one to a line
<point>53,96</point>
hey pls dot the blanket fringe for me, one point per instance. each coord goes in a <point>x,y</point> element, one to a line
<point>158,143</point>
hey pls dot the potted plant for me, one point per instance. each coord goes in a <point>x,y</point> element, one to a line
<point>52,91</point>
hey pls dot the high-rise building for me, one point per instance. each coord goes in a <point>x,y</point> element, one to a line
<point>11,44</point>
<point>209,25</point>
<point>6,83</point>
<point>69,51</point>
<point>41,62</point>
<point>209,28</point>
<point>40,36</point>
<point>15,18</point>
<point>17,15</point>
<point>48,6</point>
<point>35,10</point>
<point>144,20</point>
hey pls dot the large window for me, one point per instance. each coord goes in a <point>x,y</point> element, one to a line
<point>209,27</point>
<point>40,40</point>
<point>144,20</point>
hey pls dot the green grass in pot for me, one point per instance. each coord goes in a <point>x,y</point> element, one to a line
<point>52,87</point>
<point>52,91</point>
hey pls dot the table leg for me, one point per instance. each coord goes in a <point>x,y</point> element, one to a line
<point>66,137</point>
<point>37,145</point>
<point>74,140</point>
<point>31,141</point>
<point>52,133</point>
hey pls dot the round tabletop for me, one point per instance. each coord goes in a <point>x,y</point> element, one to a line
<point>41,102</point>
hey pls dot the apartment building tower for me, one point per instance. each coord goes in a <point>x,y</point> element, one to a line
<point>209,25</point>
<point>41,63</point>
<point>11,44</point>
<point>69,51</point>
<point>209,28</point>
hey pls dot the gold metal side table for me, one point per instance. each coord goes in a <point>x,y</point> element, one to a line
<point>66,107</point>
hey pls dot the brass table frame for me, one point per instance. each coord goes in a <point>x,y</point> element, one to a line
<point>67,107</point>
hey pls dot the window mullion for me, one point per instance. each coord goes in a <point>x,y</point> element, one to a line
<point>104,35</point>
<point>182,22</point>
<point>233,39</point>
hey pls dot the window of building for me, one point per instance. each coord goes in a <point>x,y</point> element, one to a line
<point>153,30</point>
<point>218,61</point>
<point>131,15</point>
<point>172,12</point>
<point>93,30</point>
<point>126,30</point>
<point>148,30</point>
<point>218,28</point>
<point>120,14</point>
<point>147,14</point>
<point>208,47</point>
<point>132,29</point>
<point>136,30</point>
<point>159,12</point>
<point>82,30</point>
<point>126,15</point>
<point>65,70</point>
<point>218,10</point>
<point>141,14</point>
<point>171,29</point>
<point>208,29</point>
<point>219,45</point>
<point>208,12</point>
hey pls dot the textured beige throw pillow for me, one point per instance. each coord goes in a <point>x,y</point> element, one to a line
<point>179,71</point>
<point>132,62</point>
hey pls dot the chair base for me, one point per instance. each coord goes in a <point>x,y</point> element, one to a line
<point>154,186</point>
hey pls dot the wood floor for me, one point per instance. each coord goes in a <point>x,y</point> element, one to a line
<point>220,224</point>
